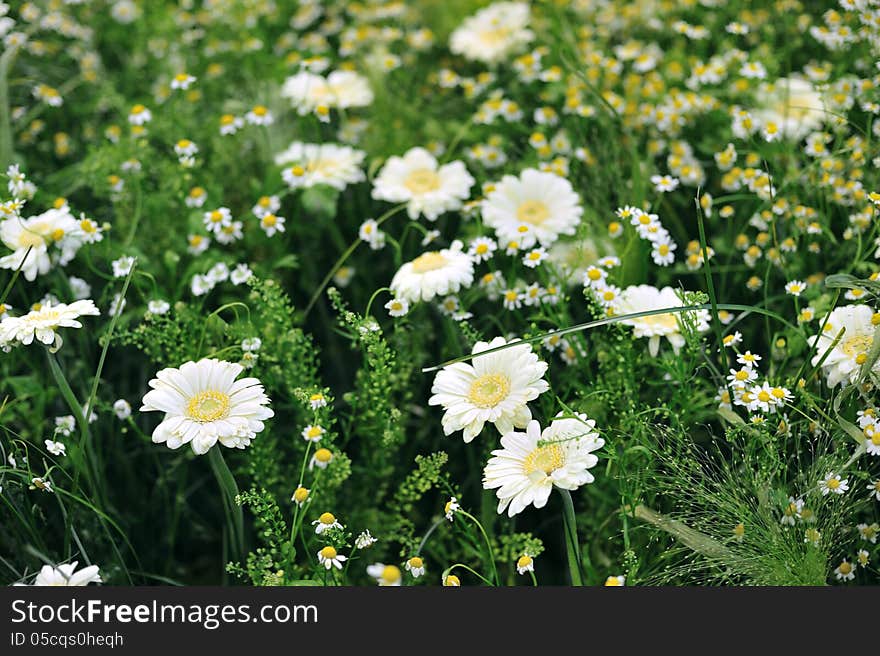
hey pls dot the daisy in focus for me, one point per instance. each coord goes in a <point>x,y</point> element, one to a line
<point>527,467</point>
<point>842,359</point>
<point>494,388</point>
<point>204,403</point>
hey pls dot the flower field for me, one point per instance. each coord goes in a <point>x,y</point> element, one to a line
<point>447,293</point>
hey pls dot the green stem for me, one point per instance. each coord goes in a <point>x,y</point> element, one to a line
<point>488,544</point>
<point>344,257</point>
<point>229,488</point>
<point>5,121</point>
<point>572,547</point>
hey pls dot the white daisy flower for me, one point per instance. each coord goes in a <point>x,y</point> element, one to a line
<point>527,467</point>
<point>397,307</point>
<point>452,506</point>
<point>544,203</point>
<point>844,362</point>
<point>415,566</point>
<point>326,522</point>
<point>641,298</point>
<point>845,571</point>
<point>309,164</point>
<point>434,273</point>
<point>313,433</point>
<point>494,388</point>
<point>493,33</point>
<point>41,324</point>
<point>34,240</point>
<point>525,563</point>
<point>833,484</point>
<point>341,89</point>
<point>204,403</point>
<point>329,558</point>
<point>428,188</point>
<point>66,575</point>
<point>385,575</point>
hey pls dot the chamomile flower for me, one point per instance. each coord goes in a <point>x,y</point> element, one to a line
<point>544,203</point>
<point>795,287</point>
<point>313,433</point>
<point>527,467</point>
<point>493,388</point>
<point>845,571</point>
<point>326,522</point>
<point>427,187</point>
<point>525,563</point>
<point>415,566</point>
<point>272,224</point>
<point>451,581</point>
<point>321,459</point>
<point>40,241</point>
<point>365,540</point>
<point>259,115</point>
<point>300,495</point>
<point>833,484</point>
<point>615,581</point>
<point>205,404</point>
<point>535,257</point>
<point>329,558</point>
<point>452,506</point>
<point>397,307</point>
<point>434,273</point>
<point>385,575</point>
<point>482,249</point>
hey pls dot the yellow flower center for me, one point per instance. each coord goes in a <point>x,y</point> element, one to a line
<point>763,396</point>
<point>270,220</point>
<point>845,568</point>
<point>857,344</point>
<point>544,460</point>
<point>524,561</point>
<point>300,495</point>
<point>327,518</point>
<point>323,455</point>
<point>532,211</point>
<point>328,553</point>
<point>259,110</point>
<point>29,238</point>
<point>207,406</point>
<point>415,562</point>
<point>421,181</point>
<point>428,262</point>
<point>390,574</point>
<point>833,484</point>
<point>489,390</point>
